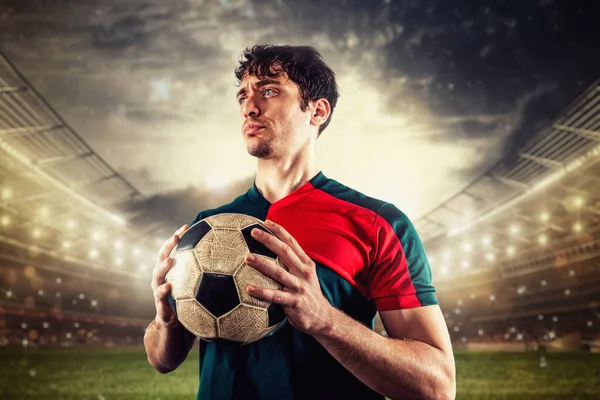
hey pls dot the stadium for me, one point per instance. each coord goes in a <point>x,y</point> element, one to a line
<point>515,257</point>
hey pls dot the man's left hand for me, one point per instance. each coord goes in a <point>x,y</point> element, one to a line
<point>304,304</point>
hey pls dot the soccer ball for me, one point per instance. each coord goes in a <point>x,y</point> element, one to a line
<point>209,277</point>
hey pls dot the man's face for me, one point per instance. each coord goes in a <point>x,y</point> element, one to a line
<point>273,125</point>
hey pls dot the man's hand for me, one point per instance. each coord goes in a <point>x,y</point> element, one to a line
<point>164,313</point>
<point>302,299</point>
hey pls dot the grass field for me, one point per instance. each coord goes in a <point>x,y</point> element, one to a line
<point>95,374</point>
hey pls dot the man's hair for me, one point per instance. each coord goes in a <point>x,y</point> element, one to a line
<point>303,65</point>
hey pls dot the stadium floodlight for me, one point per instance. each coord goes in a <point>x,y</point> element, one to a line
<point>541,317</point>
<point>118,244</point>
<point>543,282</point>
<point>6,193</point>
<point>44,212</point>
<point>543,239</point>
<point>492,297</point>
<point>463,339</point>
<point>36,233</point>
<point>66,244</point>
<point>93,253</point>
<point>58,280</point>
<point>486,240</point>
<point>577,227</point>
<point>567,292</point>
<point>81,296</point>
<point>510,250</point>
<point>5,220</point>
<point>472,296</point>
<point>522,289</point>
<point>459,302</point>
<point>456,329</point>
<point>514,229</point>
<point>545,216</point>
<point>58,294</point>
<point>555,319</point>
<point>578,201</point>
<point>520,336</point>
<point>480,332</point>
<point>23,326</point>
<point>71,224</point>
<point>551,334</point>
<point>490,257</point>
<point>40,292</point>
<point>97,235</point>
<point>467,247</point>
<point>590,324</point>
<point>9,294</point>
<point>46,325</point>
<point>76,325</point>
<point>118,261</point>
<point>571,273</point>
<point>457,311</point>
<point>94,303</point>
<point>507,336</point>
<point>464,264</point>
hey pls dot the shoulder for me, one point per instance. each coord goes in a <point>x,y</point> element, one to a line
<point>351,195</point>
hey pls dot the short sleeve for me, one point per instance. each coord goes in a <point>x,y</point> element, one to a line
<point>400,275</point>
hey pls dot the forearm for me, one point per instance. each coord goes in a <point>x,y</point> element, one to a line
<point>166,347</point>
<point>395,368</point>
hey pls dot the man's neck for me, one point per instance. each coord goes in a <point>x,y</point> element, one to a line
<point>275,180</point>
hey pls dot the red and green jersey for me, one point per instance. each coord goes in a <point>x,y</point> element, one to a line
<point>368,258</point>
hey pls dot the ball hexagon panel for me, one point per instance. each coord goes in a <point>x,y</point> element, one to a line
<point>244,324</point>
<point>246,275</point>
<point>184,275</point>
<point>193,235</point>
<point>221,251</point>
<point>217,293</point>
<point>254,246</point>
<point>231,221</point>
<point>196,319</point>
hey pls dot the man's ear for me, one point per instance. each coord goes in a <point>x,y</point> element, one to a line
<point>322,110</point>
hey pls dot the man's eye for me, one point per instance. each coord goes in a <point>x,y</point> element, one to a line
<point>241,100</point>
<point>269,92</point>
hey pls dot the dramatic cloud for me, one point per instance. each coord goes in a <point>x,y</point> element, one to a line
<point>433,93</point>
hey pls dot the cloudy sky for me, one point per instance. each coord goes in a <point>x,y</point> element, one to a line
<point>432,92</point>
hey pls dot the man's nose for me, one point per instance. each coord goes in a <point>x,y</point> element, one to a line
<point>250,107</point>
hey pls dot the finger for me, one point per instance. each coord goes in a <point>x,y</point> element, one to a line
<point>272,295</point>
<point>273,271</point>
<point>283,251</point>
<point>181,230</point>
<point>288,239</point>
<point>162,291</point>
<point>161,270</point>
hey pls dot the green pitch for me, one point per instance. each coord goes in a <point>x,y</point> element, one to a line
<point>93,374</point>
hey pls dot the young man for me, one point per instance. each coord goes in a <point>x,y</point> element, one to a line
<point>348,256</point>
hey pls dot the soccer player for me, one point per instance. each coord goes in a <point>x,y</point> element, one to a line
<point>348,256</point>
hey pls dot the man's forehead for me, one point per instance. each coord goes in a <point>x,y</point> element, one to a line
<point>280,77</point>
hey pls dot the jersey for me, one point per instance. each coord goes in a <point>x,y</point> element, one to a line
<point>368,257</point>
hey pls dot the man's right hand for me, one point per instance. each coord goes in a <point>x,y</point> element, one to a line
<point>165,315</point>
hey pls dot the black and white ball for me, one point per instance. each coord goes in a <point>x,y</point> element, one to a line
<point>209,277</point>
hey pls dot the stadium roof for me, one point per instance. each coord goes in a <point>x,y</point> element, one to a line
<point>537,209</point>
<point>60,201</point>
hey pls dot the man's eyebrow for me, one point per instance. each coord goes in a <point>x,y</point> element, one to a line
<point>261,83</point>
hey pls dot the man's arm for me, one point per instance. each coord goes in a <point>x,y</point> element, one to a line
<point>416,361</point>
<point>166,341</point>
<point>167,346</point>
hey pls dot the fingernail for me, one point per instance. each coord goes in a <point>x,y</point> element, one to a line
<point>268,222</point>
<point>257,232</point>
<point>250,288</point>
<point>250,258</point>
